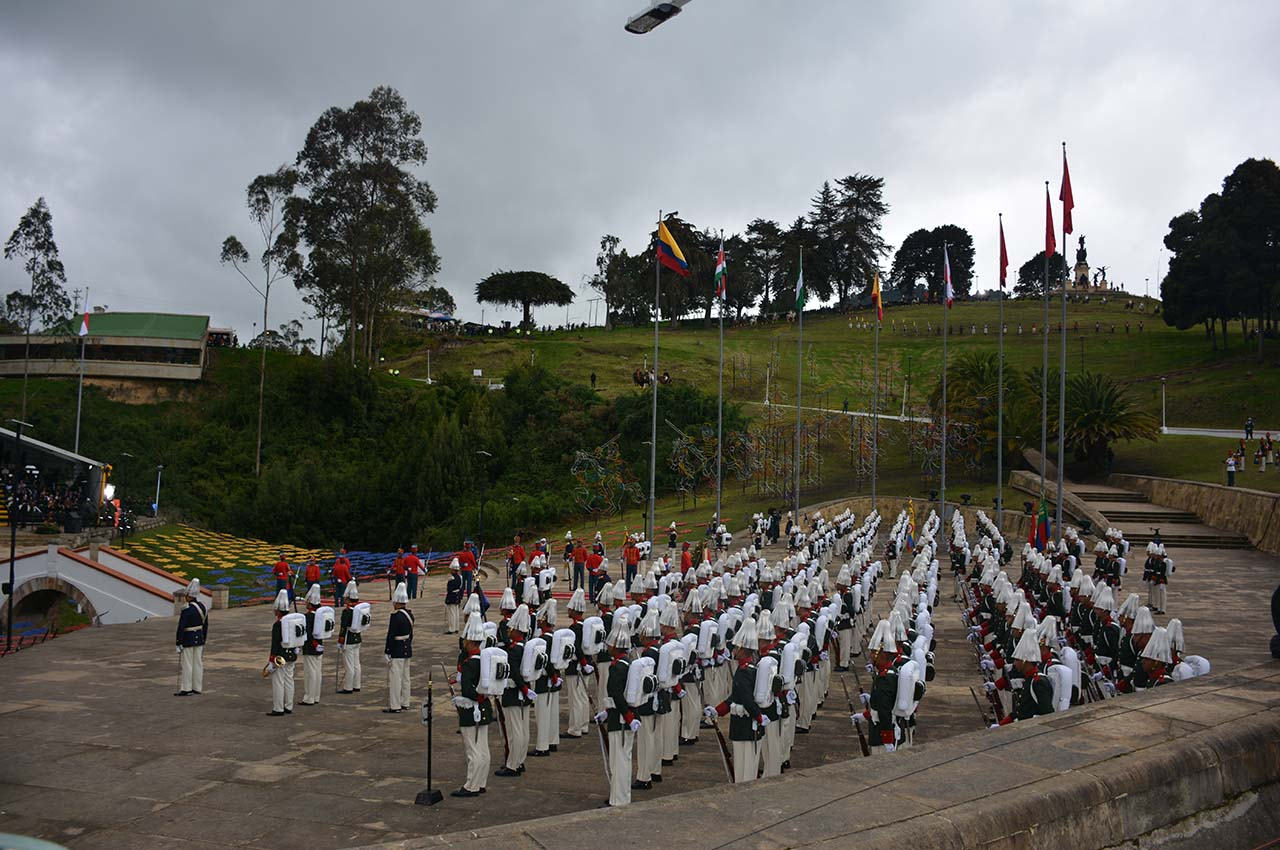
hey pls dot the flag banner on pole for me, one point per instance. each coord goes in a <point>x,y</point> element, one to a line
<point>1004,258</point>
<point>722,273</point>
<point>1039,536</point>
<point>669,253</point>
<point>948,293</point>
<point>1050,243</point>
<point>1068,202</point>
<point>876,299</point>
<point>911,525</point>
<point>84,323</point>
<point>800,288</point>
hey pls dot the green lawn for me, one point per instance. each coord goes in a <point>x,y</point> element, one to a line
<point>1193,459</point>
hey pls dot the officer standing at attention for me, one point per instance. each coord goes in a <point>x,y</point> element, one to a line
<point>312,651</point>
<point>280,663</point>
<point>349,641</point>
<point>193,631</point>
<point>399,650</point>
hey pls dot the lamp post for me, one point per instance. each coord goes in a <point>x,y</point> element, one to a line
<point>484,488</point>
<point>13,531</point>
<point>1163,425</point>
<point>155,506</point>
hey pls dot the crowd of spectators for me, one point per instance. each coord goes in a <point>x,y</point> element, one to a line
<point>36,498</point>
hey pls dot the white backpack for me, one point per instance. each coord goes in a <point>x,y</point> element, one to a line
<point>905,703</point>
<point>642,682</point>
<point>790,656</point>
<point>706,639</point>
<point>361,617</point>
<point>671,663</point>
<point>491,637</point>
<point>766,673</point>
<point>494,671</point>
<point>323,625</point>
<point>592,635</point>
<point>563,648</point>
<point>1060,677</point>
<point>534,659</point>
<point>293,631</point>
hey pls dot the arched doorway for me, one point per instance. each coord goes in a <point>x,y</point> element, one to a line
<point>49,604</point>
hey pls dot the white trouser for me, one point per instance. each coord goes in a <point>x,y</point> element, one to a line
<point>579,705</point>
<point>517,736</point>
<point>542,718</point>
<point>555,718</point>
<point>668,729</point>
<point>788,734</point>
<point>856,636</point>
<point>311,676</point>
<point>1158,593</point>
<point>846,647</point>
<point>451,616</point>
<point>191,669</point>
<point>398,683</point>
<point>282,687</point>
<point>771,749</point>
<point>351,667</point>
<point>620,767</point>
<point>691,711</point>
<point>746,761</point>
<point>602,677</point>
<point>647,748</point>
<point>893,568</point>
<point>475,743</point>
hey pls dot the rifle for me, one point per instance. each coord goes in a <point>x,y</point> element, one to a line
<point>452,693</point>
<point>986,719</point>
<point>600,728</point>
<point>862,738</point>
<point>726,754</point>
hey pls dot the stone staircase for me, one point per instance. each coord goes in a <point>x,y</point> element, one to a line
<point>1152,517</point>
<point>1111,496</point>
<point>1178,529</point>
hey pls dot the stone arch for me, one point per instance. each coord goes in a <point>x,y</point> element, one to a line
<point>56,584</point>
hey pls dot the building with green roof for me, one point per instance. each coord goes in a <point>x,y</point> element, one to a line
<point>164,346</point>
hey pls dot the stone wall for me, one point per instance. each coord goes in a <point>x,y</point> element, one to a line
<point>1253,513</point>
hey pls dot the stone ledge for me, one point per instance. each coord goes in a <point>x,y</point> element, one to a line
<point>1254,513</point>
<point>1091,778</point>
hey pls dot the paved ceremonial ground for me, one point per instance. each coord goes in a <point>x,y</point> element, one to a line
<point>98,754</point>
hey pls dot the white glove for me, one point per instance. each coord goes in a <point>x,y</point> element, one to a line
<point>822,656</point>
<point>764,722</point>
<point>857,719</point>
<point>1097,677</point>
<point>457,702</point>
<point>972,637</point>
<point>588,670</point>
<point>871,668</point>
<point>994,726</point>
<point>1110,688</point>
<point>987,664</point>
<point>791,698</point>
<point>977,630</point>
<point>710,712</point>
<point>602,716</point>
<point>989,687</point>
<point>1062,641</point>
<point>388,657</point>
<point>178,647</point>
<point>866,698</point>
<point>888,748</point>
<point>634,725</point>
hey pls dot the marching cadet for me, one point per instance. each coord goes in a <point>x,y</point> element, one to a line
<point>673,536</point>
<point>193,631</point>
<point>776,708</point>
<point>475,712</point>
<point>622,724</point>
<point>349,641</point>
<point>518,696</point>
<point>546,689</point>
<point>1157,658</point>
<point>399,649</point>
<point>1035,697</point>
<point>577,672</point>
<point>844,622</point>
<point>669,721</point>
<point>312,651</point>
<point>506,607</point>
<point>281,661</point>
<point>691,704</point>
<point>568,559</point>
<point>648,757</point>
<point>879,701</point>
<point>747,723</point>
<point>1161,567</point>
<point>605,602</point>
<point>453,599</point>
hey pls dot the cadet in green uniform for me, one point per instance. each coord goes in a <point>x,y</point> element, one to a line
<point>475,712</point>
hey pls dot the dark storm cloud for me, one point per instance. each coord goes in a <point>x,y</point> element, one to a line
<point>548,125</point>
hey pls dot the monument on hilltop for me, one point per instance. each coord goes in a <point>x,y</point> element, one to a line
<point>1081,282</point>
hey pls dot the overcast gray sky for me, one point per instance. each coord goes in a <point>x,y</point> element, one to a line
<point>547,125</point>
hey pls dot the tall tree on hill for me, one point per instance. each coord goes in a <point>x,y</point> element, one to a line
<point>608,278</point>
<point>861,208</point>
<point>1030,283</point>
<point>746,278</point>
<point>266,198</point>
<point>525,290</point>
<point>360,212</point>
<point>1251,205</point>
<point>764,254</point>
<point>797,240</point>
<point>920,258</point>
<point>823,268</point>
<point>32,242</point>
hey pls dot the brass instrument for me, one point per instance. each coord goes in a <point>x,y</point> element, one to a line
<point>270,666</point>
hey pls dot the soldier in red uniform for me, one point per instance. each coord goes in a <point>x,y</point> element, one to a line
<point>284,576</point>
<point>413,568</point>
<point>341,574</point>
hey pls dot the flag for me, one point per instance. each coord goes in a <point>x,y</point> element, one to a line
<point>84,323</point>
<point>875,298</point>
<point>1068,202</point>
<point>1004,257</point>
<point>911,524</point>
<point>669,253</point>
<point>1040,529</point>
<point>722,273</point>
<point>948,293</point>
<point>1050,244</point>
<point>800,288</point>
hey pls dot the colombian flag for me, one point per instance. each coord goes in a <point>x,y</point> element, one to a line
<point>875,298</point>
<point>1039,536</point>
<point>669,253</point>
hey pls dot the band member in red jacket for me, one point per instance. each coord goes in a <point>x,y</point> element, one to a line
<point>341,575</point>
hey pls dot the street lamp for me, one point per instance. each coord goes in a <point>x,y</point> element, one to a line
<point>484,484</point>
<point>13,530</point>
<point>1163,425</point>
<point>653,15</point>
<point>155,506</point>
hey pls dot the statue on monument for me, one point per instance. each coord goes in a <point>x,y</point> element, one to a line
<point>1081,254</point>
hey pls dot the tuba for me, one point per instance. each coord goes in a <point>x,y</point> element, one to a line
<point>270,666</point>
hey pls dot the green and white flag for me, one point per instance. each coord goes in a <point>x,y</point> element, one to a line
<point>800,288</point>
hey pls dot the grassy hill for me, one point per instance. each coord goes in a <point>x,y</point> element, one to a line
<point>1206,388</point>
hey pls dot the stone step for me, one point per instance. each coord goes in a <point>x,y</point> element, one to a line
<point>1193,541</point>
<point>1153,517</point>
<point>1109,496</point>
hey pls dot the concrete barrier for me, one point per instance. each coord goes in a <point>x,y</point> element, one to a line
<point>1194,764</point>
<point>1253,513</point>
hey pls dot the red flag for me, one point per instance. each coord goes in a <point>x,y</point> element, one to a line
<point>948,293</point>
<point>1004,256</point>
<point>1068,202</point>
<point>1050,244</point>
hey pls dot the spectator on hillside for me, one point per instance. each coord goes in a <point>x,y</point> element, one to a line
<point>1248,428</point>
<point>1231,470</point>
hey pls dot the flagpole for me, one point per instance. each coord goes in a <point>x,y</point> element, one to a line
<point>1062,366</point>
<point>799,381</point>
<point>875,410</point>
<point>80,388</point>
<point>653,431</point>
<point>942,513</point>
<point>720,402</point>
<point>1044,369</point>
<point>1000,391</point>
